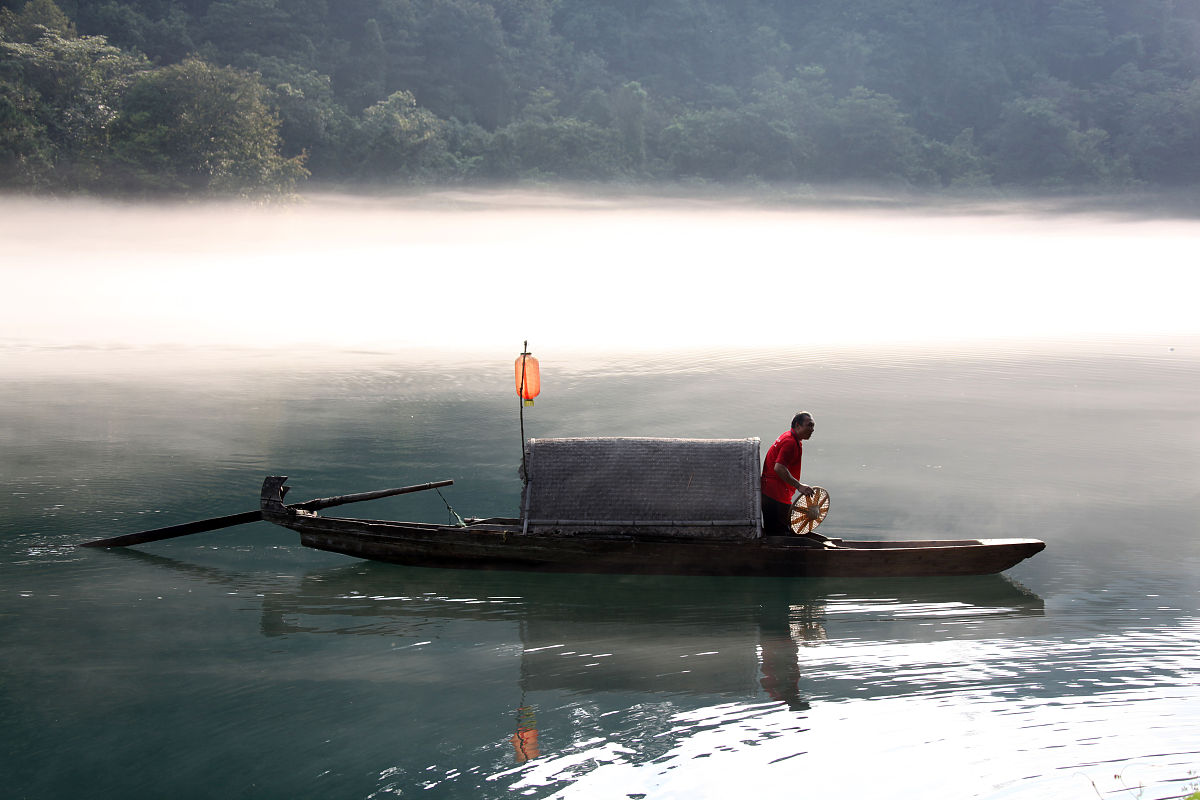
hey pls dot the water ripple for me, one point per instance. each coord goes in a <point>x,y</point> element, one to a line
<point>982,749</point>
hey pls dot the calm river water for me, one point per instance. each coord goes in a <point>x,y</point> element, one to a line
<point>238,664</point>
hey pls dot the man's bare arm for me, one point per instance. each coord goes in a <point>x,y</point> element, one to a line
<point>787,478</point>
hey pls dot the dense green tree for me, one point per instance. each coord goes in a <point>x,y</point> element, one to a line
<point>312,122</point>
<point>537,55</point>
<point>562,147</point>
<point>1162,135</point>
<point>1038,145</point>
<point>199,128</point>
<point>34,19</point>
<point>730,145</point>
<point>398,139</point>
<point>63,95</point>
<point>232,28</point>
<point>26,152</point>
<point>866,136</point>
<point>801,105</point>
<point>156,28</point>
<point>630,104</point>
<point>463,45</point>
<point>367,75</point>
<point>1076,37</point>
<point>960,164</point>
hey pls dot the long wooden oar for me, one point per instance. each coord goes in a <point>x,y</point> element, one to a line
<point>172,531</point>
<point>213,524</point>
<point>330,502</point>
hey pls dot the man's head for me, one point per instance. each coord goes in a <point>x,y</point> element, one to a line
<point>803,425</point>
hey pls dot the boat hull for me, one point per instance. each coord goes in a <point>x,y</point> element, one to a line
<point>500,547</point>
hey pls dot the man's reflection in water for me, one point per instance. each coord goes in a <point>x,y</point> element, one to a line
<point>781,628</point>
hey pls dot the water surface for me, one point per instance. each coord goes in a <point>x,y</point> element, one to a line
<point>239,664</point>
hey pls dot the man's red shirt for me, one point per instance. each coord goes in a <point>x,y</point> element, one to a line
<point>787,450</point>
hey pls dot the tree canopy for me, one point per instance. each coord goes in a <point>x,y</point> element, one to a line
<point>198,96</point>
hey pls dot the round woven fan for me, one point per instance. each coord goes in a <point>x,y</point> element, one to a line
<point>809,512</point>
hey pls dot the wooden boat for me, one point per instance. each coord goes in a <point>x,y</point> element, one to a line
<point>636,506</point>
<point>500,544</point>
<point>615,506</point>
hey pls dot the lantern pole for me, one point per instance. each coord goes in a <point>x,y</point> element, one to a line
<point>521,406</point>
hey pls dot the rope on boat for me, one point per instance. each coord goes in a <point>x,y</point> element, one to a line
<point>453,518</point>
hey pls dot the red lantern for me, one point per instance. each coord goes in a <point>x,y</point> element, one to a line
<point>527,377</point>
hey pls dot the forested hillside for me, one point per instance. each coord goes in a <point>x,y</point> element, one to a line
<point>198,96</point>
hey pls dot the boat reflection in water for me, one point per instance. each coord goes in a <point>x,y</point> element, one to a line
<point>730,638</point>
<point>724,637</point>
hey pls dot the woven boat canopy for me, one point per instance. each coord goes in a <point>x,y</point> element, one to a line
<point>679,488</point>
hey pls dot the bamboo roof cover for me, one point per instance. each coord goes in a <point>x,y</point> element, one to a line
<point>681,488</point>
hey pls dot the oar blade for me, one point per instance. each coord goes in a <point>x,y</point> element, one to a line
<point>170,532</point>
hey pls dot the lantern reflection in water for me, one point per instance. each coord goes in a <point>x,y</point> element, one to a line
<point>525,740</point>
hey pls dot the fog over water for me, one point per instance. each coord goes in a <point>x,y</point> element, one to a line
<point>477,272</point>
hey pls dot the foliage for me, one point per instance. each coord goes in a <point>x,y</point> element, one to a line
<point>867,136</point>
<point>725,144</point>
<point>1030,93</point>
<point>558,147</point>
<point>398,139</point>
<point>81,114</point>
<point>197,128</point>
<point>33,20</point>
<point>26,153</point>
<point>1038,144</point>
<point>62,94</point>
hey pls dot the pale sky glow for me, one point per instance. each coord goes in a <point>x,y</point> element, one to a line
<point>392,274</point>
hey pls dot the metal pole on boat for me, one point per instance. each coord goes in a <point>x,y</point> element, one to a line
<point>521,406</point>
<point>529,383</point>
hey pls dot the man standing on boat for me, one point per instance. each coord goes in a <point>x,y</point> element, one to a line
<point>780,476</point>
